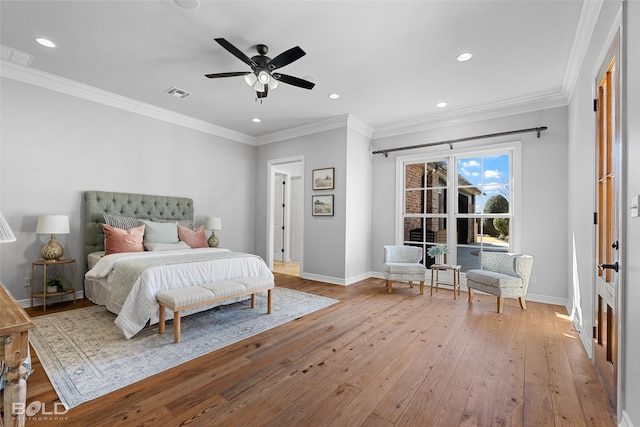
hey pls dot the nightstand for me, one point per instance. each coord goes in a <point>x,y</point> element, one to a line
<point>59,267</point>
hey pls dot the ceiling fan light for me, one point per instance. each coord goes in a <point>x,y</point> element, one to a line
<point>259,87</point>
<point>250,79</point>
<point>273,83</point>
<point>264,77</point>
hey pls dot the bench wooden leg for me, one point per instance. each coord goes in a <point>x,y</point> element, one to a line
<point>176,326</point>
<point>500,304</point>
<point>253,300</point>
<point>388,286</point>
<point>470,294</point>
<point>161,319</point>
<point>269,301</point>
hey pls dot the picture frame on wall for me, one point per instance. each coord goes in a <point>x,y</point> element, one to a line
<point>322,179</point>
<point>322,205</point>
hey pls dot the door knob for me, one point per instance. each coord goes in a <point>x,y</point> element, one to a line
<point>615,266</point>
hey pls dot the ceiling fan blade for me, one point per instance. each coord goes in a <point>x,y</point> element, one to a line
<point>295,81</point>
<point>286,58</point>
<point>236,52</point>
<point>231,74</point>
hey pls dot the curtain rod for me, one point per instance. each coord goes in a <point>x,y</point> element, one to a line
<point>469,138</point>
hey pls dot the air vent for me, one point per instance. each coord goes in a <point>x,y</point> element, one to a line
<point>178,93</point>
<point>16,56</point>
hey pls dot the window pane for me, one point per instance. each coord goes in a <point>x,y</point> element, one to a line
<point>468,199</point>
<point>414,201</point>
<point>413,230</point>
<point>495,199</point>
<point>436,201</point>
<point>495,232</point>
<point>414,176</point>
<point>437,174</point>
<point>470,171</point>
<point>436,230</point>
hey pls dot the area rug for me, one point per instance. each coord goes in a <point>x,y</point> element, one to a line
<point>86,355</point>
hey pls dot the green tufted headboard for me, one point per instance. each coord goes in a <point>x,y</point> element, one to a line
<point>142,206</point>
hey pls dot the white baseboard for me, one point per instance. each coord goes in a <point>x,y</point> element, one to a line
<point>26,303</point>
<point>625,421</point>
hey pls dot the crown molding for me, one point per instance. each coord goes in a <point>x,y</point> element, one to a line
<point>485,112</point>
<point>581,39</point>
<point>69,87</point>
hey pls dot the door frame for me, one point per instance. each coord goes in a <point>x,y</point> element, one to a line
<point>272,168</point>
<point>615,37</point>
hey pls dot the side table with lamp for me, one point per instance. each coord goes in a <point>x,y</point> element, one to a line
<point>51,254</point>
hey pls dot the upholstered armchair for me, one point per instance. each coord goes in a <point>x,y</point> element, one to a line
<point>503,275</point>
<point>402,264</point>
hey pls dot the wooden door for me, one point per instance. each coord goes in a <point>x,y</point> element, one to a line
<point>607,279</point>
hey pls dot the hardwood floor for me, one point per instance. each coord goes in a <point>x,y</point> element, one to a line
<point>374,359</point>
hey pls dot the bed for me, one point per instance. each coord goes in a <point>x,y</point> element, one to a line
<point>127,282</point>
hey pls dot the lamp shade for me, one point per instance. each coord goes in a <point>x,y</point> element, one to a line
<point>6,235</point>
<point>53,224</point>
<point>213,223</point>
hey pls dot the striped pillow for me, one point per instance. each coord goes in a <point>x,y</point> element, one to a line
<point>119,221</point>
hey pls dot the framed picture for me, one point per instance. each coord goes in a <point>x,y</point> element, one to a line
<point>322,205</point>
<point>323,179</point>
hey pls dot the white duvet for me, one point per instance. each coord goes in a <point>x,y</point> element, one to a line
<point>140,306</point>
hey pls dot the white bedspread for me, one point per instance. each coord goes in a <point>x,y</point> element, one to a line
<point>141,306</point>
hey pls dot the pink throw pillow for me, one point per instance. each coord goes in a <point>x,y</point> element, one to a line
<point>194,238</point>
<point>117,240</point>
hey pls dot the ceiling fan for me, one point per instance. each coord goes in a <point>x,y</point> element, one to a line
<point>262,76</point>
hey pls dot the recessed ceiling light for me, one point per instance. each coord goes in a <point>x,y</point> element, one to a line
<point>45,42</point>
<point>334,95</point>
<point>464,56</point>
<point>441,104</point>
<point>256,120</point>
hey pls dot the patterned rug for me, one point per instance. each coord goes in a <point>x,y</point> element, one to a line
<point>86,355</point>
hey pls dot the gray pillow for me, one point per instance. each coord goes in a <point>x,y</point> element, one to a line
<point>183,222</point>
<point>160,232</point>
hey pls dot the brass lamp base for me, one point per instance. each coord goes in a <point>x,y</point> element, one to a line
<point>52,251</point>
<point>213,241</point>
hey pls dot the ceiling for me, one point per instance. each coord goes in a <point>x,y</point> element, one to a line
<point>390,61</point>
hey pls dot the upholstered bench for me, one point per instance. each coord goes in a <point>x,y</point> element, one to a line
<point>180,299</point>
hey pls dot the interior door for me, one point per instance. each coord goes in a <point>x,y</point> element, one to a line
<point>607,279</point>
<point>278,218</point>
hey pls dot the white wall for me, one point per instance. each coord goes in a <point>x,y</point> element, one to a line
<point>631,348</point>
<point>324,236</point>
<point>358,207</point>
<point>56,146</point>
<point>543,212</point>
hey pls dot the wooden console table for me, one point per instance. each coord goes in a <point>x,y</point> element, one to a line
<point>14,349</point>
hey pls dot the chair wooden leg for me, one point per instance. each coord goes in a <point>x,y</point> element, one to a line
<point>500,304</point>
<point>523,303</point>
<point>422,287</point>
<point>470,294</point>
<point>388,286</point>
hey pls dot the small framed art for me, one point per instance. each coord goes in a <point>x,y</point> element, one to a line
<point>323,179</point>
<point>322,205</point>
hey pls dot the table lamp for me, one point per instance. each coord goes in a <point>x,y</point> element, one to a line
<point>52,224</point>
<point>6,235</point>
<point>213,223</point>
